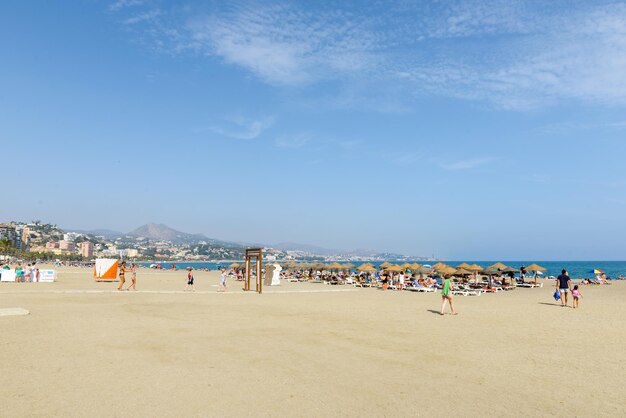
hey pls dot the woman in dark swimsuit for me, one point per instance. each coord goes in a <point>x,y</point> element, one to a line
<point>385,280</point>
<point>122,271</point>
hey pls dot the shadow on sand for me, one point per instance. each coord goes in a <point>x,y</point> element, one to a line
<point>549,304</point>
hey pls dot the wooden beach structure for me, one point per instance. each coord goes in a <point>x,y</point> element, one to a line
<point>255,254</point>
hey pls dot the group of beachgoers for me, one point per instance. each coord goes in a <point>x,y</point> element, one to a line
<point>563,289</point>
<point>385,280</point>
<point>133,277</point>
<point>23,274</point>
<point>190,280</point>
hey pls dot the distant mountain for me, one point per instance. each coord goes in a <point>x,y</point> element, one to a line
<point>364,252</point>
<point>106,233</point>
<point>293,246</point>
<point>161,232</point>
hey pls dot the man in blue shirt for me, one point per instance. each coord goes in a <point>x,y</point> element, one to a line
<point>564,285</point>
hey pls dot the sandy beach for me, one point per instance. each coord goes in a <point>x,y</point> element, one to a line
<point>305,349</point>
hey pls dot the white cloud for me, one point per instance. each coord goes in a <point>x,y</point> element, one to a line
<point>285,46</point>
<point>510,53</point>
<point>467,164</point>
<point>239,128</point>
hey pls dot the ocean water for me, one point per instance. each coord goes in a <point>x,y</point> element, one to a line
<point>576,269</point>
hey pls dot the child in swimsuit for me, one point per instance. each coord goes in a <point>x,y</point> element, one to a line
<point>190,280</point>
<point>222,287</point>
<point>576,294</point>
<point>133,277</point>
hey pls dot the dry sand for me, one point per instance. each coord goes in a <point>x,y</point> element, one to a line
<point>86,350</point>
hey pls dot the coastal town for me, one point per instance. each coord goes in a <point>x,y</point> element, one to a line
<point>37,240</point>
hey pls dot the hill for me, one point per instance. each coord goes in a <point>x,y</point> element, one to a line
<point>161,232</point>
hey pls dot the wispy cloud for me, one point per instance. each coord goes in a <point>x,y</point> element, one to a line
<point>513,54</point>
<point>239,128</point>
<point>122,4</point>
<point>566,127</point>
<point>467,164</point>
<point>147,16</point>
<point>286,46</point>
<point>292,141</point>
<point>403,159</point>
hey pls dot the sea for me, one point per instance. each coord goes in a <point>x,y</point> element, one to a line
<point>575,269</point>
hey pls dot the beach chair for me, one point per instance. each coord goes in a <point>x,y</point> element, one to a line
<point>355,283</point>
<point>423,289</point>
<point>464,292</point>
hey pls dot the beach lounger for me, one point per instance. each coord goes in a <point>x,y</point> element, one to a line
<point>421,289</point>
<point>465,292</point>
<point>353,282</point>
<point>529,285</point>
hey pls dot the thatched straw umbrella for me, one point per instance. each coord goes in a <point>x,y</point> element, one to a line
<point>368,268</point>
<point>394,268</point>
<point>406,266</point>
<point>509,271</point>
<point>535,268</point>
<point>321,266</point>
<point>234,265</point>
<point>439,265</point>
<point>415,266</point>
<point>461,272</point>
<point>348,266</point>
<point>335,266</point>
<point>463,266</point>
<point>447,270</point>
<point>423,270</point>
<point>474,268</point>
<point>498,265</point>
<point>385,265</point>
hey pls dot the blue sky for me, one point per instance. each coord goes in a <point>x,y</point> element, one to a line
<point>467,129</point>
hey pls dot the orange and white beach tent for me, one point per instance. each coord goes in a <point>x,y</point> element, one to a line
<point>105,269</point>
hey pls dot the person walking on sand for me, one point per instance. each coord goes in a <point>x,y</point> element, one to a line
<point>446,295</point>
<point>190,280</point>
<point>563,285</point>
<point>133,277</point>
<point>19,274</point>
<point>222,287</point>
<point>576,295</point>
<point>122,273</point>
